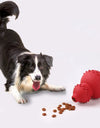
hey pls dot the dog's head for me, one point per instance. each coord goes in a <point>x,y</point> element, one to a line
<point>37,66</point>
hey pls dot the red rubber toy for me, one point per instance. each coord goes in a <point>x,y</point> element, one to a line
<point>88,88</point>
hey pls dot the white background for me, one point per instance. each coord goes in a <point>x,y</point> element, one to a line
<point>68,30</point>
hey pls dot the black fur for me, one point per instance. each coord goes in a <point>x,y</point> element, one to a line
<point>11,46</point>
<point>44,64</point>
<point>7,8</point>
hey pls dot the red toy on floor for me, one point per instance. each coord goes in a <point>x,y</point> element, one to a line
<point>88,88</point>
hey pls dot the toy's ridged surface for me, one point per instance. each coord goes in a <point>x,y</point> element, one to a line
<point>82,93</point>
<point>92,78</point>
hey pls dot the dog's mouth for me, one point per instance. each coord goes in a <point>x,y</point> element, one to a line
<point>36,85</point>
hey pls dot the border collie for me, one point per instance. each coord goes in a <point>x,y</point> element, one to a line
<point>23,70</point>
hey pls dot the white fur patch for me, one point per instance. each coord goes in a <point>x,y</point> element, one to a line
<point>14,91</point>
<point>16,75</point>
<point>25,53</point>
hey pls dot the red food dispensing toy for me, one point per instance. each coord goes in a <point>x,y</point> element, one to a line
<point>88,88</point>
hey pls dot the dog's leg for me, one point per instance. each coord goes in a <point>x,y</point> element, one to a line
<point>13,89</point>
<point>16,94</point>
<point>52,87</point>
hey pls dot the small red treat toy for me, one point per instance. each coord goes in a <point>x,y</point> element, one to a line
<point>88,88</point>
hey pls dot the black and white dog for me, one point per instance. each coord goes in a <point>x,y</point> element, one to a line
<point>23,70</point>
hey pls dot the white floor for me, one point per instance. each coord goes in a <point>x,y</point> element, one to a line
<point>30,114</point>
<point>70,32</point>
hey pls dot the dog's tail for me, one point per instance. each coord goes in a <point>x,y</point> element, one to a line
<point>7,8</point>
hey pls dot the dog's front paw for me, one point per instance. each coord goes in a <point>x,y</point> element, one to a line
<point>21,100</point>
<point>56,88</point>
<point>59,88</point>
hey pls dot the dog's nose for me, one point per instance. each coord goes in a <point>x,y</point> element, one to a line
<point>38,77</point>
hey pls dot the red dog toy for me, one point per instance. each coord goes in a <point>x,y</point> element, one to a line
<point>88,88</point>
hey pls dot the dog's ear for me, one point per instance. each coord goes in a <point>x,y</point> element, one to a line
<point>49,60</point>
<point>23,58</point>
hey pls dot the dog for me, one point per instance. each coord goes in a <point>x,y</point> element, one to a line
<point>23,70</point>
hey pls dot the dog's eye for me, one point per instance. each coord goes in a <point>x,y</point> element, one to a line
<point>40,65</point>
<point>32,66</point>
<point>28,64</point>
<point>31,69</point>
